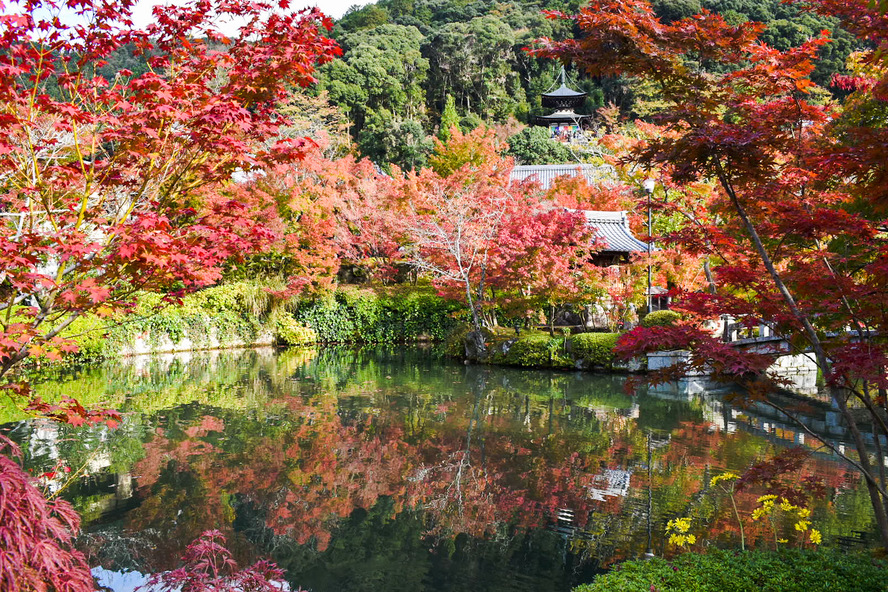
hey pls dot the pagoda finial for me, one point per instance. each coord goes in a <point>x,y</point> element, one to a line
<point>563,76</point>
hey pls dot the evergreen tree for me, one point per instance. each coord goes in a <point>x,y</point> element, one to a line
<point>449,119</point>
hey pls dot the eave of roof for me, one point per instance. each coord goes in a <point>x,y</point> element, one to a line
<point>563,116</point>
<point>545,174</point>
<point>564,92</point>
<point>612,228</point>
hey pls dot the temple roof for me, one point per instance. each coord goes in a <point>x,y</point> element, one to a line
<point>613,229</point>
<point>545,174</point>
<point>561,117</point>
<point>564,91</point>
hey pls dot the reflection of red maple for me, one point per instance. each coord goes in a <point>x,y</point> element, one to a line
<point>470,475</point>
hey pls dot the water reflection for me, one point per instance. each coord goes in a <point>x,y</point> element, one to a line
<point>397,469</point>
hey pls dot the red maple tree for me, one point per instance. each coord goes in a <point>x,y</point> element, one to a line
<point>796,232</point>
<point>105,181</point>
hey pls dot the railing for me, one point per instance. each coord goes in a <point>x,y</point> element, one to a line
<point>744,331</point>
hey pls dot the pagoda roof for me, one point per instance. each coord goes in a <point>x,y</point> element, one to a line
<point>561,116</point>
<point>564,92</point>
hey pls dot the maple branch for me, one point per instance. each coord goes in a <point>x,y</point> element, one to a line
<point>835,449</point>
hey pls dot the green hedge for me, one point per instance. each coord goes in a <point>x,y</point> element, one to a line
<point>750,571</point>
<point>393,315</point>
<point>537,349</point>
<point>660,318</point>
<point>595,348</point>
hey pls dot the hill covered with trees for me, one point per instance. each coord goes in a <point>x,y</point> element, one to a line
<point>403,59</point>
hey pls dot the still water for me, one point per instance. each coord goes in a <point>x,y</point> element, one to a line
<point>398,469</point>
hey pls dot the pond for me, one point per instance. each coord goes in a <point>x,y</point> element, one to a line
<point>398,469</point>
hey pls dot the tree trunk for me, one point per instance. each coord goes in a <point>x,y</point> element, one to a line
<point>876,490</point>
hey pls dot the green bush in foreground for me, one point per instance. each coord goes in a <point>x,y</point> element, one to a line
<point>595,348</point>
<point>750,571</point>
<point>660,318</point>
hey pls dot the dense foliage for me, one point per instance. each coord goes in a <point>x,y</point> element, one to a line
<point>473,52</point>
<point>750,571</point>
<point>396,315</point>
<point>403,60</point>
<point>239,314</point>
<point>794,232</point>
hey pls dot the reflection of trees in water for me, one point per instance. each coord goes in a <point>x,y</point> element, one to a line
<point>301,452</point>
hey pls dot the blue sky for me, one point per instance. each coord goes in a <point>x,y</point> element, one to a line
<point>334,8</point>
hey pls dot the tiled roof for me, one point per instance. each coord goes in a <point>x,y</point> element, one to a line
<point>564,92</point>
<point>545,174</point>
<point>613,229</point>
<point>560,116</point>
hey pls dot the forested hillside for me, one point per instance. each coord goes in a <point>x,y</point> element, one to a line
<point>403,58</point>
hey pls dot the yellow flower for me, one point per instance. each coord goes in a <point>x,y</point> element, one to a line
<point>766,498</point>
<point>679,525</point>
<point>763,510</point>
<point>786,506</point>
<point>804,512</point>
<point>681,540</point>
<point>815,536</point>
<point>802,525</point>
<point>782,541</point>
<point>722,477</point>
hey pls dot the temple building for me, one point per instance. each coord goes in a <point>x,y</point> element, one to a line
<point>611,228</point>
<point>564,123</point>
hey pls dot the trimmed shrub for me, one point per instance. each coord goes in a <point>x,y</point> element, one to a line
<point>535,349</point>
<point>596,348</point>
<point>660,318</point>
<point>787,570</point>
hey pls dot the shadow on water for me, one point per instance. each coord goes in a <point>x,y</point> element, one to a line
<point>398,469</point>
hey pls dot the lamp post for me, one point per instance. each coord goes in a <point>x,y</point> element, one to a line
<point>649,185</point>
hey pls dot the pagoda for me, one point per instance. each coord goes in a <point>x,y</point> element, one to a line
<point>564,122</point>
